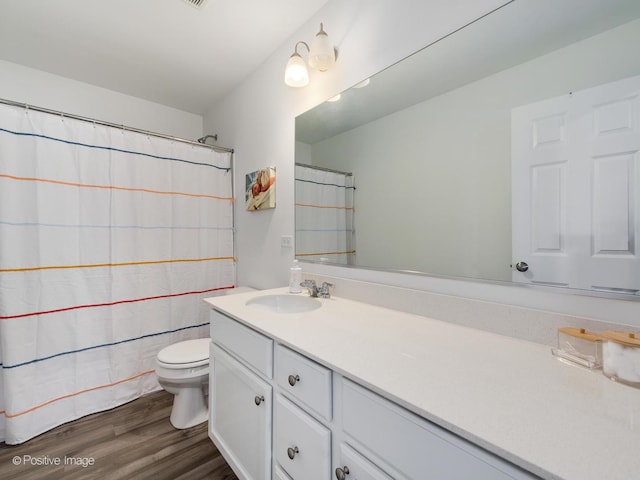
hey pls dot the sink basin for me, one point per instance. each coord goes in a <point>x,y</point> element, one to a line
<point>284,303</point>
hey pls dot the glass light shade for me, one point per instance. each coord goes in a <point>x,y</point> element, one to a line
<point>322,56</point>
<point>296,74</point>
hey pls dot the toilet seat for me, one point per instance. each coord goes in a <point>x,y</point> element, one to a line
<point>187,354</point>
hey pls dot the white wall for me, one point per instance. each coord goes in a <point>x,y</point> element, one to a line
<point>450,157</point>
<point>257,120</point>
<point>42,89</point>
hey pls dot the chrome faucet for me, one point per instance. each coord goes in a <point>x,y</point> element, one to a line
<point>311,286</point>
<point>323,291</point>
<point>314,291</point>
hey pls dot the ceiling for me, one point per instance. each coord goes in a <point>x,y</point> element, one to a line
<point>165,51</point>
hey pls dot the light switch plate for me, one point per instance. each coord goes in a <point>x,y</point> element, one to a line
<point>286,241</point>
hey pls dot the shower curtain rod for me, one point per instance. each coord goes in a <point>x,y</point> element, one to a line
<point>114,125</point>
<point>324,169</point>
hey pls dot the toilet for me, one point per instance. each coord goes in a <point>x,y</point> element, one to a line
<point>183,370</point>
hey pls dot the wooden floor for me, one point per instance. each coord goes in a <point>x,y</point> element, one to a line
<point>133,441</point>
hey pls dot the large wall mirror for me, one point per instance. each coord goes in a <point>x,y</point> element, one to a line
<point>506,151</point>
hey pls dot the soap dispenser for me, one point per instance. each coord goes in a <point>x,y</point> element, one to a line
<point>295,278</point>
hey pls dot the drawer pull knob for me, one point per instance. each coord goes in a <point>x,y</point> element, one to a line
<point>293,379</point>
<point>258,399</point>
<point>291,452</point>
<point>341,473</point>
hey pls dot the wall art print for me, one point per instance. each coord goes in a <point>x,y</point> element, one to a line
<point>260,191</point>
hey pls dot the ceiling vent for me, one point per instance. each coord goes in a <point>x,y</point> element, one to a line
<point>196,3</point>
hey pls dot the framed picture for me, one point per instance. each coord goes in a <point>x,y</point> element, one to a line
<point>260,191</point>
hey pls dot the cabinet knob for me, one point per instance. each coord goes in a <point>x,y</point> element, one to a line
<point>258,399</point>
<point>341,473</point>
<point>291,452</point>
<point>293,379</point>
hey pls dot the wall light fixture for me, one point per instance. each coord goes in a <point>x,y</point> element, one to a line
<point>322,57</point>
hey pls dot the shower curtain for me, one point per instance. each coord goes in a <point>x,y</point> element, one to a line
<point>324,215</point>
<point>109,240</point>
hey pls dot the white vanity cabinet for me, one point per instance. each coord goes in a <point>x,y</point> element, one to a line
<point>240,393</point>
<point>270,402</point>
<point>406,446</point>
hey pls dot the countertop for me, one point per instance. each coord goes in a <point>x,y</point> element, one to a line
<point>511,397</point>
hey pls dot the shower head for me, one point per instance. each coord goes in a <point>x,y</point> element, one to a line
<point>204,139</point>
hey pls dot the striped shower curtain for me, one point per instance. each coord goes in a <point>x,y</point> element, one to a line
<point>324,215</point>
<point>109,240</point>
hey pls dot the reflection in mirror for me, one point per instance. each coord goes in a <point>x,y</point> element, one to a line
<point>324,215</point>
<point>431,141</point>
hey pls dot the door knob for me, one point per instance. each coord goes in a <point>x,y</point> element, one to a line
<point>341,473</point>
<point>522,266</point>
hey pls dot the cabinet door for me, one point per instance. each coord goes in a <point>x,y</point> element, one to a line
<point>353,466</point>
<point>240,416</point>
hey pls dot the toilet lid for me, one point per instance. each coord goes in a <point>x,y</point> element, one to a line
<point>189,351</point>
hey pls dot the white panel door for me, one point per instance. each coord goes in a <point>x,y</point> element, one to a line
<point>576,204</point>
<point>540,157</point>
<point>606,164</point>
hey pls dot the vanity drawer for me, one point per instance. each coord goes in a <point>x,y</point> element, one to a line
<point>412,446</point>
<point>302,444</point>
<point>353,465</point>
<point>246,344</point>
<point>304,379</point>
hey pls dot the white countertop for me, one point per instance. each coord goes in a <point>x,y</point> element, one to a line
<point>509,396</point>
